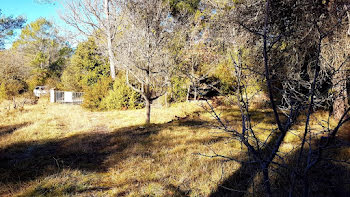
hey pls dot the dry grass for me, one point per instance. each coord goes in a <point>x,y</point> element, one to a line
<point>54,150</point>
<point>64,150</point>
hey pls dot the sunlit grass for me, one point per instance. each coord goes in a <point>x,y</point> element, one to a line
<point>160,163</point>
<point>64,150</point>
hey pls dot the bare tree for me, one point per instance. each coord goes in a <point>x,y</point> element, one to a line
<point>295,59</point>
<point>336,58</point>
<point>14,71</point>
<point>143,48</point>
<point>93,17</point>
<point>198,56</point>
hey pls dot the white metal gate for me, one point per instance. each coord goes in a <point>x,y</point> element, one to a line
<point>66,97</point>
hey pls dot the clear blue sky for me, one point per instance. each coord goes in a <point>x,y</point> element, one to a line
<point>31,9</point>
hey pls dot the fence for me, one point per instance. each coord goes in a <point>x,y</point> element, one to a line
<point>66,97</point>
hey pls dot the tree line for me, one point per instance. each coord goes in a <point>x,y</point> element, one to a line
<point>295,53</point>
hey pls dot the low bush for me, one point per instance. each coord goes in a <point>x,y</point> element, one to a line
<point>121,97</point>
<point>12,88</point>
<point>109,95</point>
<point>95,93</point>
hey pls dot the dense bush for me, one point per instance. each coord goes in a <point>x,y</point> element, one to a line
<point>106,95</point>
<point>224,73</point>
<point>12,88</point>
<point>89,72</point>
<point>70,79</point>
<point>121,97</point>
<point>94,94</point>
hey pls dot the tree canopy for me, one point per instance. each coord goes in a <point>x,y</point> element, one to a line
<point>8,24</point>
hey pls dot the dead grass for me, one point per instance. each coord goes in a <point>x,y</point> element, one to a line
<point>64,150</point>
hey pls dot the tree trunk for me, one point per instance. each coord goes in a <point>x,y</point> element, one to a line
<point>109,40</point>
<point>148,111</point>
<point>194,83</point>
<point>166,99</point>
<point>348,13</point>
<point>341,98</point>
<point>266,183</point>
<point>195,92</point>
<point>188,93</point>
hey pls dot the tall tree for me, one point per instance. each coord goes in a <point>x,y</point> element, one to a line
<point>7,27</point>
<point>91,17</point>
<point>87,65</point>
<point>48,52</point>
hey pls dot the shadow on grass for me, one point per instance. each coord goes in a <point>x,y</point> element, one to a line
<point>177,191</point>
<point>50,191</point>
<point>27,161</point>
<point>6,130</point>
<point>238,183</point>
<point>327,178</point>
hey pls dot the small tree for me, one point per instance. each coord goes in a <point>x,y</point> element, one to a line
<point>143,49</point>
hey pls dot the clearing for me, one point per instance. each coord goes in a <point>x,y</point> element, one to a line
<point>63,150</point>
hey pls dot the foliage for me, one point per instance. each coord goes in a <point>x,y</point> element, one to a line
<point>8,25</point>
<point>179,7</point>
<point>223,72</point>
<point>86,67</point>
<point>71,78</point>
<point>88,71</point>
<point>11,88</point>
<point>94,94</point>
<point>178,91</point>
<point>47,52</point>
<point>13,72</point>
<point>121,96</point>
<point>38,78</point>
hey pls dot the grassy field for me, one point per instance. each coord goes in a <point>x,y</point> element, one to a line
<point>64,150</point>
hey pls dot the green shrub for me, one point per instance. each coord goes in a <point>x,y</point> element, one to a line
<point>53,82</point>
<point>224,72</point>
<point>178,90</point>
<point>135,100</point>
<point>121,97</point>
<point>86,67</point>
<point>70,79</point>
<point>94,94</point>
<point>12,88</point>
<point>106,95</point>
<point>38,78</point>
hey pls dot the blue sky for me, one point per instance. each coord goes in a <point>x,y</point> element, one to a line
<point>31,9</point>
